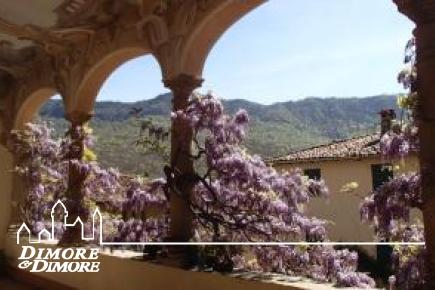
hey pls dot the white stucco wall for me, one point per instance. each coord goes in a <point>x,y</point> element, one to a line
<point>342,208</point>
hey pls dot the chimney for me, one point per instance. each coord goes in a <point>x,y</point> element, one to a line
<point>387,117</point>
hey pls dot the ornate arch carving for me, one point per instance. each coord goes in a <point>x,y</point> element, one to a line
<point>76,60</point>
<point>218,18</point>
<point>94,78</point>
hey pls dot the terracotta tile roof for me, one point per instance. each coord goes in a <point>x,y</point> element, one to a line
<point>354,148</point>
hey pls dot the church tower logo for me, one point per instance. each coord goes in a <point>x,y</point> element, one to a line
<point>50,236</point>
<point>52,259</point>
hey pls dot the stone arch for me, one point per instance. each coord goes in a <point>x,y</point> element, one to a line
<point>25,113</point>
<point>31,106</point>
<point>209,30</point>
<point>86,94</point>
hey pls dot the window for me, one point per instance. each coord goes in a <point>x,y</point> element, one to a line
<point>381,173</point>
<point>313,173</point>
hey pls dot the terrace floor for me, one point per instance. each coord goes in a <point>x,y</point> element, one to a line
<point>125,269</point>
<point>9,284</point>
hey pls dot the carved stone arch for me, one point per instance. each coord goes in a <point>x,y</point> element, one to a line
<point>86,93</point>
<point>208,30</point>
<point>31,100</point>
<point>185,17</point>
<point>31,105</point>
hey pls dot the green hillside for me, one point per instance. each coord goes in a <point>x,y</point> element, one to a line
<point>275,129</point>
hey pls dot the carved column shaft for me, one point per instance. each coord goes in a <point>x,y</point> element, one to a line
<point>76,177</point>
<point>425,36</point>
<point>7,180</point>
<point>181,148</point>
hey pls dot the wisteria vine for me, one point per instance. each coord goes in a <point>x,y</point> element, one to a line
<point>390,206</point>
<point>44,164</point>
<point>240,198</point>
<point>237,197</point>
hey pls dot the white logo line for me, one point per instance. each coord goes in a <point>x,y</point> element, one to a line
<point>45,235</point>
<point>97,221</point>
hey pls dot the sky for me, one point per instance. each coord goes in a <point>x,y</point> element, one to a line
<point>288,50</point>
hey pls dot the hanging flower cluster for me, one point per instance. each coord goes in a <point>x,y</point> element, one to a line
<point>321,263</point>
<point>389,207</point>
<point>240,198</point>
<point>403,138</point>
<point>144,211</point>
<point>39,162</point>
<point>45,163</point>
<point>237,198</point>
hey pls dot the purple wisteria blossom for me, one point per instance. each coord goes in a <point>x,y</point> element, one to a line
<point>240,198</point>
<point>237,198</point>
<point>389,207</point>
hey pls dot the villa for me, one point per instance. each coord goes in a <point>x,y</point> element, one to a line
<point>352,169</point>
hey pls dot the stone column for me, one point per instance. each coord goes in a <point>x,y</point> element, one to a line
<point>423,14</point>
<point>76,178</point>
<point>6,179</point>
<point>7,175</point>
<point>182,87</point>
<point>425,35</point>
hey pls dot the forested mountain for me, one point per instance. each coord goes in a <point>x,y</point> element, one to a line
<point>275,129</point>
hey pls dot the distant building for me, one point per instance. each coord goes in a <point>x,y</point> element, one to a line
<point>351,168</point>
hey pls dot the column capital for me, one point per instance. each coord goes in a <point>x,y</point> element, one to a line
<point>419,11</point>
<point>78,118</point>
<point>183,84</point>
